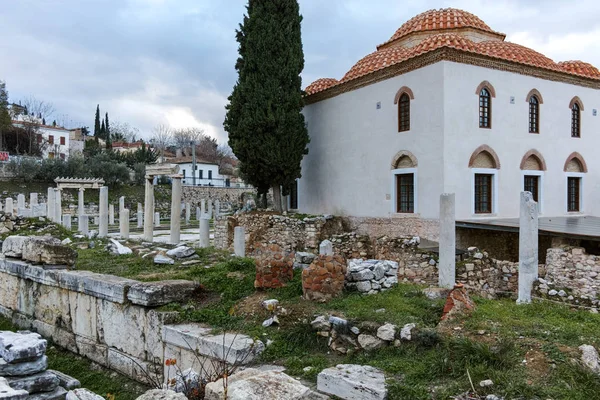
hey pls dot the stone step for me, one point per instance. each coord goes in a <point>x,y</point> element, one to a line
<point>42,382</point>
<point>23,368</point>
<point>21,346</point>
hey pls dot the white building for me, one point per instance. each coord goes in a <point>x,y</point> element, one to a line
<point>448,106</point>
<point>54,140</point>
<point>206,174</point>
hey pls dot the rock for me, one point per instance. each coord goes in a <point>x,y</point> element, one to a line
<point>387,332</point>
<point>305,257</point>
<point>486,383</point>
<point>42,382</point>
<point>65,380</point>
<point>364,286</point>
<point>321,323</point>
<point>562,293</point>
<point>8,393</point>
<point>355,330</point>
<point>187,380</point>
<point>338,324</point>
<point>160,394</point>
<point>83,394</point>
<point>21,346</point>
<point>161,292</point>
<point>57,394</point>
<point>162,259</point>
<point>190,263</point>
<point>181,252</point>
<point>406,331</point>
<point>271,321</point>
<point>348,381</point>
<point>552,292</point>
<point>493,397</point>
<point>23,368</point>
<point>48,250</point>
<point>12,246</point>
<point>118,249</point>
<point>270,305</point>
<point>253,384</point>
<point>92,234</point>
<point>478,256</point>
<point>369,342</point>
<point>66,242</point>
<point>589,357</point>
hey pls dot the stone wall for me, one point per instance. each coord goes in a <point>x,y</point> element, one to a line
<point>395,227</point>
<point>230,198</point>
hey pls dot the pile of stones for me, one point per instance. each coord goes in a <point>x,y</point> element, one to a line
<point>23,369</point>
<point>39,250</point>
<point>12,222</point>
<point>371,276</point>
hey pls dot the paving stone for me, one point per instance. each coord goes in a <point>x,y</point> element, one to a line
<point>353,382</point>
<point>23,368</point>
<point>161,293</point>
<point>21,346</point>
<point>42,382</point>
<point>161,394</point>
<point>162,259</point>
<point>8,393</point>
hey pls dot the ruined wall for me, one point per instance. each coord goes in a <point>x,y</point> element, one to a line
<point>396,227</point>
<point>230,198</point>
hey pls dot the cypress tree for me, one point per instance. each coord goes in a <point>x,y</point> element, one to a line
<point>102,131</point>
<point>266,129</point>
<point>5,122</point>
<point>97,122</point>
<point>107,133</point>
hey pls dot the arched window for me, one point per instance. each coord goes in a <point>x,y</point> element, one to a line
<point>534,114</point>
<point>404,173</point>
<point>485,109</point>
<point>575,121</point>
<point>404,113</point>
<point>484,164</point>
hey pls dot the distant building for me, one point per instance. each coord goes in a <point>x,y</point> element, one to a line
<point>124,147</point>
<point>206,173</point>
<point>54,140</point>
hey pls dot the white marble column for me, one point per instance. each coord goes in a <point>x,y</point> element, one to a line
<point>204,233</point>
<point>140,219</point>
<point>51,200</point>
<point>188,213</point>
<point>447,247</point>
<point>58,206</point>
<point>33,199</point>
<point>121,203</point>
<point>175,209</point>
<point>9,206</point>
<point>149,210</point>
<point>202,207</point>
<point>103,223</point>
<point>20,201</point>
<point>66,221</point>
<point>239,241</point>
<point>111,214</point>
<point>528,247</point>
<point>83,223</point>
<point>124,223</point>
<point>156,219</point>
<point>326,248</point>
<point>80,203</point>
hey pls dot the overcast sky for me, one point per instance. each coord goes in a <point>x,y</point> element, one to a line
<point>148,62</point>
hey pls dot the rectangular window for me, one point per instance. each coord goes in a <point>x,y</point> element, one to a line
<point>573,194</point>
<point>51,139</point>
<point>209,174</point>
<point>62,156</point>
<point>62,140</point>
<point>200,173</point>
<point>184,174</point>
<point>483,193</point>
<point>405,193</point>
<point>532,184</point>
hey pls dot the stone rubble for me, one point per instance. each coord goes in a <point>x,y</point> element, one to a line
<point>349,382</point>
<point>181,252</point>
<point>116,248</point>
<point>82,394</point>
<point>589,357</point>
<point>161,394</point>
<point>371,276</point>
<point>21,346</point>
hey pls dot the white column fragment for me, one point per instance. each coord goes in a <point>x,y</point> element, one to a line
<point>103,223</point>
<point>111,214</point>
<point>80,202</point>
<point>188,213</point>
<point>121,203</point>
<point>202,207</point>
<point>447,264</point>
<point>156,219</point>
<point>175,209</point>
<point>198,214</point>
<point>33,199</point>
<point>9,206</point>
<point>528,247</point>
<point>124,223</point>
<point>239,241</point>
<point>140,219</point>
<point>326,248</point>
<point>149,210</point>
<point>84,224</point>
<point>51,199</point>
<point>20,201</point>
<point>66,221</point>
<point>58,206</point>
<point>204,233</point>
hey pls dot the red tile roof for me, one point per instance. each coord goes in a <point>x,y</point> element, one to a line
<point>321,84</point>
<point>578,67</point>
<point>442,19</point>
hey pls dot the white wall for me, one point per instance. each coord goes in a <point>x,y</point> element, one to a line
<point>510,137</point>
<point>217,180</point>
<point>348,168</point>
<point>56,148</point>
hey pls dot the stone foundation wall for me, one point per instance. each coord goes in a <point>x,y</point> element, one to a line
<point>274,266</point>
<point>396,227</point>
<point>324,279</point>
<point>230,198</point>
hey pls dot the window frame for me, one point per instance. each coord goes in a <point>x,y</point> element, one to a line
<point>576,109</point>
<point>483,109</point>
<point>580,176</point>
<point>404,113</point>
<point>494,196</point>
<point>534,107</point>
<point>50,139</point>
<point>540,175</point>
<point>62,140</point>
<point>394,191</point>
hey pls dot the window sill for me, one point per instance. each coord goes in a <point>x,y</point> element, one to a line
<point>405,215</point>
<point>483,215</point>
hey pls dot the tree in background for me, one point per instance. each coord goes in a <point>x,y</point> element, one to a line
<point>5,123</point>
<point>266,129</point>
<point>123,132</point>
<point>162,138</point>
<point>97,123</point>
<point>183,138</point>
<point>107,136</point>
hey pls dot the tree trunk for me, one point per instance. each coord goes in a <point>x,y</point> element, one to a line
<point>263,201</point>
<point>277,198</point>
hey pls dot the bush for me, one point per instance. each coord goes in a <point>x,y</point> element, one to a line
<point>24,169</point>
<point>103,166</point>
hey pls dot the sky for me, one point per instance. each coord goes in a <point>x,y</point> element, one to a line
<point>171,62</point>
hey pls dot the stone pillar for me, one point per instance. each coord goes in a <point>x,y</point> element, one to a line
<point>33,199</point>
<point>124,223</point>
<point>140,208</point>
<point>58,206</point>
<point>447,264</point>
<point>188,213</point>
<point>175,209</point>
<point>149,210</point>
<point>140,219</point>
<point>121,203</point>
<point>204,233</point>
<point>103,223</point>
<point>84,224</point>
<point>326,248</point>
<point>239,241</point>
<point>20,201</point>
<point>111,214</point>
<point>50,203</point>
<point>198,214</point>
<point>202,208</point>
<point>66,221</point>
<point>210,209</point>
<point>528,247</point>
<point>9,207</point>
<point>80,204</point>
<point>156,219</point>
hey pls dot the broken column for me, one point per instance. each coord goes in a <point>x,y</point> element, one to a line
<point>124,223</point>
<point>9,206</point>
<point>33,199</point>
<point>20,201</point>
<point>51,199</point>
<point>239,241</point>
<point>149,210</point>
<point>175,209</point>
<point>66,221</point>
<point>188,213</point>
<point>326,248</point>
<point>140,219</point>
<point>111,214</point>
<point>103,223</point>
<point>157,219</point>
<point>210,209</point>
<point>121,203</point>
<point>447,264</point>
<point>81,206</point>
<point>204,232</point>
<point>198,214</point>
<point>83,222</point>
<point>202,207</point>
<point>58,206</point>
<point>528,247</point>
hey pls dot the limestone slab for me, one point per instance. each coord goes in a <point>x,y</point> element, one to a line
<point>42,382</point>
<point>83,394</point>
<point>24,368</point>
<point>355,382</point>
<point>107,287</point>
<point>48,250</point>
<point>121,327</point>
<point>65,380</point>
<point>13,246</point>
<point>8,393</point>
<point>21,346</point>
<point>161,293</point>
<point>57,394</point>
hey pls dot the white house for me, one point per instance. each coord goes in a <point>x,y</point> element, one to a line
<point>206,174</point>
<point>448,106</point>
<point>55,140</point>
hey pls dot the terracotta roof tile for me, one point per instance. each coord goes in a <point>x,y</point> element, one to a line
<point>578,67</point>
<point>320,84</point>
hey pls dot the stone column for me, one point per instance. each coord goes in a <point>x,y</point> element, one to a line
<point>204,232</point>
<point>33,199</point>
<point>188,213</point>
<point>202,207</point>
<point>124,223</point>
<point>51,199</point>
<point>140,208</point>
<point>149,210</point>
<point>140,219</point>
<point>326,248</point>
<point>175,209</point>
<point>239,241</point>
<point>80,203</point>
<point>84,224</point>
<point>210,209</point>
<point>20,201</point>
<point>9,207</point>
<point>103,223</point>
<point>121,203</point>
<point>198,214</point>
<point>157,219</point>
<point>447,264</point>
<point>58,206</point>
<point>528,247</point>
<point>111,214</point>
<point>66,221</point>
